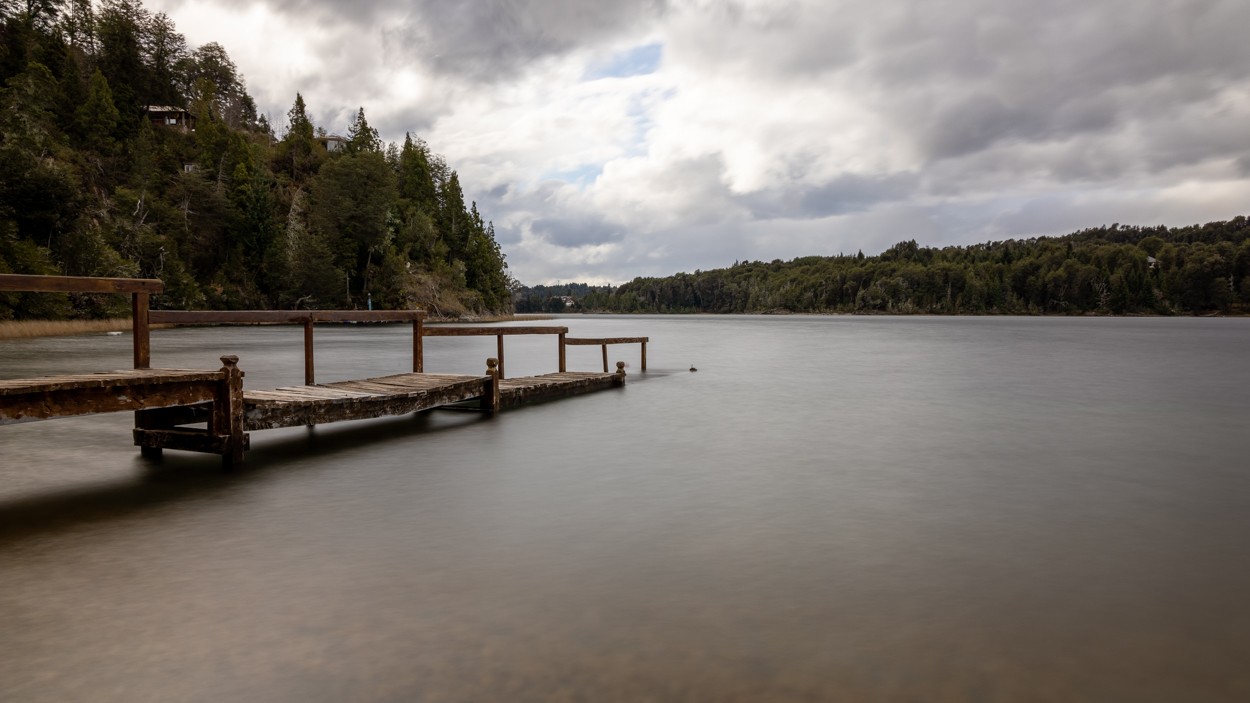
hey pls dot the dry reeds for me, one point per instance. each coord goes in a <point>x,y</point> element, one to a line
<point>14,329</point>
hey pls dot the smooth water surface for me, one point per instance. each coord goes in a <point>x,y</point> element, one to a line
<point>831,508</point>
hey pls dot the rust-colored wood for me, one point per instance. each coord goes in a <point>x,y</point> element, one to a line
<point>603,342</point>
<point>227,419</point>
<point>499,352</point>
<point>309,373</point>
<point>418,350</point>
<point>224,317</point>
<point>490,398</point>
<point>563,354</point>
<point>139,304</point>
<point>439,331</point>
<point>78,284</point>
<point>64,396</point>
<point>597,341</point>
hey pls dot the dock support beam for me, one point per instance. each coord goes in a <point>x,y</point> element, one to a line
<point>563,362</point>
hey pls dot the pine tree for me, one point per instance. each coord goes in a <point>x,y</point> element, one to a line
<point>361,137</point>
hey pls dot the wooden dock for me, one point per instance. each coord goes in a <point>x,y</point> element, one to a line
<point>210,411</point>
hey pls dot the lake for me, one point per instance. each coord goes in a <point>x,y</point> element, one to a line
<point>831,508</point>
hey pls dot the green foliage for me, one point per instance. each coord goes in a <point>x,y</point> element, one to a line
<point>1196,270</point>
<point>225,215</point>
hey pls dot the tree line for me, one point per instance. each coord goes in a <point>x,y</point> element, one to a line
<point>229,214</point>
<point>1200,269</point>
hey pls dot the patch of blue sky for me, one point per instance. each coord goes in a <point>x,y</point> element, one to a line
<point>638,61</point>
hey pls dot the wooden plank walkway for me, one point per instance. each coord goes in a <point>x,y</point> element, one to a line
<point>400,394</point>
<point>26,399</point>
<point>533,389</point>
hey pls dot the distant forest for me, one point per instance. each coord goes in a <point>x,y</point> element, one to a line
<point>123,152</point>
<point>1106,270</point>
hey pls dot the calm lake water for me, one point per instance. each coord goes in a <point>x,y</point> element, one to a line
<point>832,508</point>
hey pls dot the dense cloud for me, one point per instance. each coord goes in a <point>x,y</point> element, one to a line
<point>612,139</point>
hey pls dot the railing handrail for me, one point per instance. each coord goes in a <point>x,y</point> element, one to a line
<point>598,341</point>
<point>244,317</point>
<point>449,331</point>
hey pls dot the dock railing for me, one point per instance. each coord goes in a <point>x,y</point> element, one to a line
<point>141,291</point>
<point>306,318</point>
<point>497,332</point>
<point>603,342</point>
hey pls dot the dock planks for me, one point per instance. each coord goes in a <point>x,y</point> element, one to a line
<point>532,389</point>
<point>46,397</point>
<point>361,399</point>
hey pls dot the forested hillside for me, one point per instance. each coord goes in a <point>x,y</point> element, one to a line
<point>1116,270</point>
<point>100,177</point>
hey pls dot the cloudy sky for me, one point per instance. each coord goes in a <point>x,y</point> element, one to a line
<point>609,139</point>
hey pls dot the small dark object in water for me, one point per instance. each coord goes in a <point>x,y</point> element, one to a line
<point>692,368</point>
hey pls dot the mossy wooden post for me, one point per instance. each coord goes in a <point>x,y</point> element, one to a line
<point>310,376</point>
<point>563,363</point>
<point>644,356</point>
<point>499,350</point>
<point>227,418</point>
<point>418,351</point>
<point>140,303</point>
<point>490,399</point>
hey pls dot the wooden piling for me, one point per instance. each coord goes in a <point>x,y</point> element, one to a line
<point>309,372</point>
<point>563,359</point>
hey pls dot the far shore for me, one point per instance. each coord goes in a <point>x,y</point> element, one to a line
<point>20,329</point>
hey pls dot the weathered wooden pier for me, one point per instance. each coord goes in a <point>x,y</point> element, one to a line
<point>170,405</point>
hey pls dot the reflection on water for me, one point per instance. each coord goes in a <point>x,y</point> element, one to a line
<point>831,509</point>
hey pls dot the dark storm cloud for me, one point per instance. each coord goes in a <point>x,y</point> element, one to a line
<point>495,39</point>
<point>995,74</point>
<point>576,231</point>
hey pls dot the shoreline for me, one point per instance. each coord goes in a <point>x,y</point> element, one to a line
<point>27,329</point>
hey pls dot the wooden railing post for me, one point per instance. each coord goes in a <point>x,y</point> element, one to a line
<point>490,399</point>
<point>644,356</point>
<point>418,349</point>
<point>228,411</point>
<point>605,358</point>
<point>139,329</point>
<point>563,363</point>
<point>309,374</point>
<point>499,346</point>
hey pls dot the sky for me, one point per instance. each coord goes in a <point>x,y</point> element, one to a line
<point>608,139</point>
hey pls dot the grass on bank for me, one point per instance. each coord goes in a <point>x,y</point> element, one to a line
<point>16,329</point>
